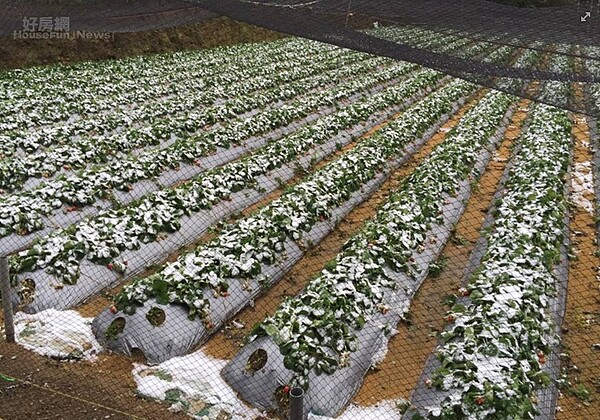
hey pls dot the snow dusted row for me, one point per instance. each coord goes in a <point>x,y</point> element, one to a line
<point>593,91</point>
<point>30,101</point>
<point>220,278</point>
<point>528,59</point>
<point>559,93</point>
<point>166,122</point>
<point>203,90</point>
<point>37,114</point>
<point>40,208</point>
<point>340,324</point>
<point>502,332</point>
<point>423,38</point>
<point>65,255</point>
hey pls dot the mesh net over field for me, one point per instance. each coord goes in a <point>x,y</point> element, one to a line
<point>568,29</point>
<point>205,233</point>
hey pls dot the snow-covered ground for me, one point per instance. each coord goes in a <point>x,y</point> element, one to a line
<point>382,410</point>
<point>57,334</point>
<point>582,183</point>
<point>192,384</point>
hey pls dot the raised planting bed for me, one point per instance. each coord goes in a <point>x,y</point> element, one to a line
<point>325,339</point>
<point>499,357</point>
<point>70,265</point>
<point>204,288</point>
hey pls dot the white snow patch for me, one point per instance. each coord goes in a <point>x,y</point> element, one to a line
<point>582,183</point>
<point>497,158</point>
<point>192,384</point>
<point>382,410</point>
<point>379,356</point>
<point>57,334</point>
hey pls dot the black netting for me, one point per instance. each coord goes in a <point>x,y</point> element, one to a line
<point>567,29</point>
<point>94,15</point>
<point>218,229</point>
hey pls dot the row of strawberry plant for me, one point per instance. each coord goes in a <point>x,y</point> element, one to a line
<point>104,238</point>
<point>449,43</point>
<point>414,36</point>
<point>230,271</point>
<point>106,93</point>
<point>593,89</point>
<point>15,172</point>
<point>148,67</point>
<point>342,320</point>
<point>32,101</point>
<point>200,91</point>
<point>492,362</point>
<point>438,42</point>
<point>24,212</point>
<point>559,93</point>
<point>159,75</point>
<point>32,141</point>
<point>501,55</point>
<point>528,59</point>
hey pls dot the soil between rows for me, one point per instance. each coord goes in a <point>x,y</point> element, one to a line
<point>224,345</point>
<point>108,381</point>
<point>409,349</point>
<point>581,327</point>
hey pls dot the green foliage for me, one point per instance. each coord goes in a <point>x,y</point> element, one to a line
<point>436,268</point>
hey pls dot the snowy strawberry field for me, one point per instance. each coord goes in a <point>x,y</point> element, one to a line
<point>180,197</point>
<point>493,358</point>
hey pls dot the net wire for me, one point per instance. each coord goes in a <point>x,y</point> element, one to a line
<point>569,30</point>
<point>244,220</point>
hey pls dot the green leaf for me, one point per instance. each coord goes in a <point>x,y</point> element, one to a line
<point>161,291</point>
<point>173,395</point>
<point>7,378</point>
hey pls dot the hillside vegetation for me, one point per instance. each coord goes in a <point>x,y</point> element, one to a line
<point>218,31</point>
